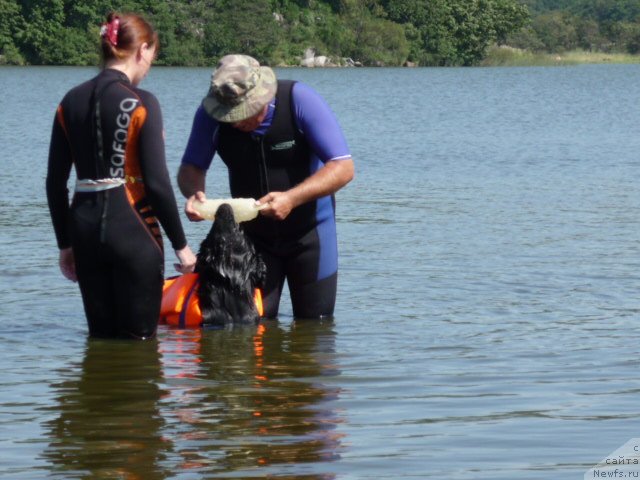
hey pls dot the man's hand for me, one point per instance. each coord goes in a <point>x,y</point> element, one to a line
<point>188,209</point>
<point>278,205</point>
<point>329,179</point>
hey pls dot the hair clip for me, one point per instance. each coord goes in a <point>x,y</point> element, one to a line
<point>110,30</point>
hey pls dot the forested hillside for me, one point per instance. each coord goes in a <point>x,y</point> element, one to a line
<point>277,32</point>
<point>592,25</point>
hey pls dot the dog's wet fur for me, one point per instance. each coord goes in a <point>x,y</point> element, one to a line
<point>229,270</point>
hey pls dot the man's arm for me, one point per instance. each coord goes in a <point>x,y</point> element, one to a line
<point>319,125</point>
<point>191,181</point>
<point>197,157</point>
<point>329,179</point>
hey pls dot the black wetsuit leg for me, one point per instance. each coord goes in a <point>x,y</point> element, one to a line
<point>272,290</point>
<point>119,266</point>
<point>316,299</point>
<point>310,297</point>
<point>298,262</point>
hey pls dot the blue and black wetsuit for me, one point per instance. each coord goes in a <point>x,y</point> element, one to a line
<point>298,136</point>
<point>109,129</point>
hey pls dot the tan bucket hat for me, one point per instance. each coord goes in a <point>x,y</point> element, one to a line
<point>240,88</point>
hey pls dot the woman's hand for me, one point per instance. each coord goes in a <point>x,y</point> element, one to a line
<point>67,264</point>
<point>187,260</point>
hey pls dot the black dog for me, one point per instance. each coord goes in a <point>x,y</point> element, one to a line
<point>229,270</point>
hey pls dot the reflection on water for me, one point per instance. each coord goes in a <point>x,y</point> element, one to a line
<point>247,401</point>
<point>109,424</point>
<point>246,398</point>
<point>487,311</point>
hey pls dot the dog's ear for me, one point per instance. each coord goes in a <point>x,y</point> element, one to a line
<point>205,256</point>
<point>253,271</point>
<point>222,259</point>
<point>240,259</point>
<point>258,273</point>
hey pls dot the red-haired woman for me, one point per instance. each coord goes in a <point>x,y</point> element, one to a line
<point>109,238</point>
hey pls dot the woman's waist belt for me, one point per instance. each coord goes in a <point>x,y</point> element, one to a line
<point>101,184</point>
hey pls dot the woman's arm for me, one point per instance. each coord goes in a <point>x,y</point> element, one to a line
<point>58,169</point>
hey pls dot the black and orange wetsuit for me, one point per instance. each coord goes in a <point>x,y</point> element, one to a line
<point>109,129</point>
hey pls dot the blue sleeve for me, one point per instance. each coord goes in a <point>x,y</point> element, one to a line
<point>319,125</point>
<point>203,141</point>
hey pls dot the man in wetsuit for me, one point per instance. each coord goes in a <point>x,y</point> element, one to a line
<point>282,145</point>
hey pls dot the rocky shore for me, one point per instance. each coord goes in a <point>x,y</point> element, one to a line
<point>311,60</point>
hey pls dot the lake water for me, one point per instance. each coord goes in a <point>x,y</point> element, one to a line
<point>488,315</point>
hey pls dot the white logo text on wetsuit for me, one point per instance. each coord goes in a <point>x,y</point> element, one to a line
<point>120,136</point>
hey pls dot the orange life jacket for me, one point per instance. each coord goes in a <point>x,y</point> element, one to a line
<point>180,304</point>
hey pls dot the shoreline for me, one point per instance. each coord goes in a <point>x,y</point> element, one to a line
<point>504,56</point>
<point>497,56</point>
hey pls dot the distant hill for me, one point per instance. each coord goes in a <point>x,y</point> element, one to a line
<point>557,26</point>
<point>541,6</point>
<point>340,32</point>
<point>610,10</point>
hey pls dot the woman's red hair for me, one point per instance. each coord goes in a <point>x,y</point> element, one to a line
<point>133,31</point>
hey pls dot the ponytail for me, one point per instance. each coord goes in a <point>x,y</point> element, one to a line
<point>122,34</point>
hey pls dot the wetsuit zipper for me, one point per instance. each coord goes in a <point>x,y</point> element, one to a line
<point>262,168</point>
<point>99,165</point>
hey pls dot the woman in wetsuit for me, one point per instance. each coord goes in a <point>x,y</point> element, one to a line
<point>109,239</point>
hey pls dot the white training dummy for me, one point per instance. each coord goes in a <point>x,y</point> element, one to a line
<point>244,209</point>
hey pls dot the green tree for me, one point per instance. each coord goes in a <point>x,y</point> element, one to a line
<point>630,37</point>
<point>56,32</point>
<point>424,24</point>
<point>615,20</point>
<point>431,32</point>
<point>380,42</point>
<point>457,32</point>
<point>188,33</point>
<point>609,10</point>
<point>508,17</point>
<point>526,39</point>
<point>44,21</point>
<point>589,36</point>
<point>538,7</point>
<point>11,27</point>
<point>556,30</point>
<point>246,26</point>
<point>371,40</point>
<point>87,13</point>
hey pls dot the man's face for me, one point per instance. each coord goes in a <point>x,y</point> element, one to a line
<point>251,123</point>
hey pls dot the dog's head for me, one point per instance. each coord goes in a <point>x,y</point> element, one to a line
<point>229,270</point>
<point>225,222</point>
<point>222,237</point>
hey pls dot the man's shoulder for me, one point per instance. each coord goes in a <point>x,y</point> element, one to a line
<point>303,94</point>
<point>202,118</point>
